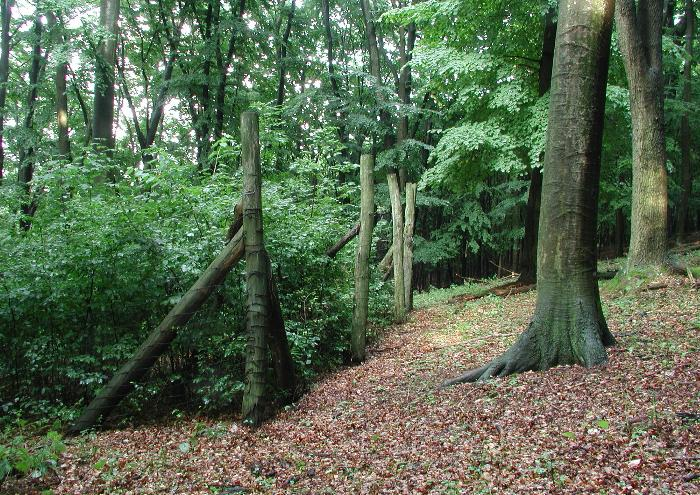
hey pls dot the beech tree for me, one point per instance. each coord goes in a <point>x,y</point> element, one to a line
<point>103,106</point>
<point>639,25</point>
<point>568,326</point>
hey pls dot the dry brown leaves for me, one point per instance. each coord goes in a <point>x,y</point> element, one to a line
<point>384,427</point>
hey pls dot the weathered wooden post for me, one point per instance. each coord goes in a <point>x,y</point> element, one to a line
<point>364,244</point>
<point>408,244</point>
<point>255,404</point>
<point>397,223</point>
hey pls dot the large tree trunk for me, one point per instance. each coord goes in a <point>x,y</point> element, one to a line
<point>568,326</point>
<point>397,228</point>
<point>255,398</point>
<point>682,220</point>
<point>160,339</point>
<point>6,14</point>
<point>639,25</point>
<point>103,107</point>
<point>364,245</point>
<point>528,258</point>
<point>409,227</point>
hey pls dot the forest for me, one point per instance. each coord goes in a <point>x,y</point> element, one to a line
<point>377,246</point>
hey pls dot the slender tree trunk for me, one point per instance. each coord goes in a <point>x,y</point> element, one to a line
<point>282,55</point>
<point>682,220</point>
<point>639,26</point>
<point>528,258</point>
<point>255,397</point>
<point>364,245</point>
<point>61,88</point>
<point>568,326</point>
<point>398,243</point>
<point>409,227</point>
<point>223,75</point>
<point>26,151</point>
<point>103,106</point>
<point>335,87</point>
<point>6,14</point>
<point>406,44</point>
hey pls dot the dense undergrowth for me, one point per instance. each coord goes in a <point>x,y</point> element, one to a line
<point>104,262</point>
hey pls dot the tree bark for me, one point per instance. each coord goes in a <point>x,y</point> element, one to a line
<point>6,14</point>
<point>223,74</point>
<point>335,249</point>
<point>407,42</point>
<point>639,26</point>
<point>61,88</point>
<point>255,400</point>
<point>103,106</point>
<point>682,219</point>
<point>279,346</point>
<point>409,227</point>
<point>26,154</point>
<point>397,227</point>
<point>528,258</point>
<point>568,326</point>
<point>364,245</point>
<point>335,87</point>
<point>160,339</point>
<point>282,56</point>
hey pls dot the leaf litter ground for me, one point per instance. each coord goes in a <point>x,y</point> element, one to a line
<point>384,427</point>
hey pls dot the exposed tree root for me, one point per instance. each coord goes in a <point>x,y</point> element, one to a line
<point>578,338</point>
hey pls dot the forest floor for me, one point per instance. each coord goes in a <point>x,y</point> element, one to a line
<point>384,427</point>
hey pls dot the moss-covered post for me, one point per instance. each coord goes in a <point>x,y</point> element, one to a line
<point>364,244</point>
<point>397,225</point>
<point>408,244</point>
<point>568,326</point>
<point>255,400</point>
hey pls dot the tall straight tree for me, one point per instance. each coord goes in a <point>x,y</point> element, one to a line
<point>639,25</point>
<point>61,87</point>
<point>6,14</point>
<point>685,144</point>
<point>103,106</point>
<point>568,326</point>
<point>528,259</point>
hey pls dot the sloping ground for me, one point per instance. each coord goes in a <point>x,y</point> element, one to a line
<point>384,427</point>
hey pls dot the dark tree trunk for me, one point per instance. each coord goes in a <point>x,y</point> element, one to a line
<point>682,220</point>
<point>639,26</point>
<point>568,326</point>
<point>6,14</point>
<point>103,106</point>
<point>335,87</point>
<point>26,151</point>
<point>223,73</point>
<point>407,41</point>
<point>528,257</point>
<point>282,56</point>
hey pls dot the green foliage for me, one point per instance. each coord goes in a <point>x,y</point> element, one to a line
<point>26,453</point>
<point>103,263</point>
